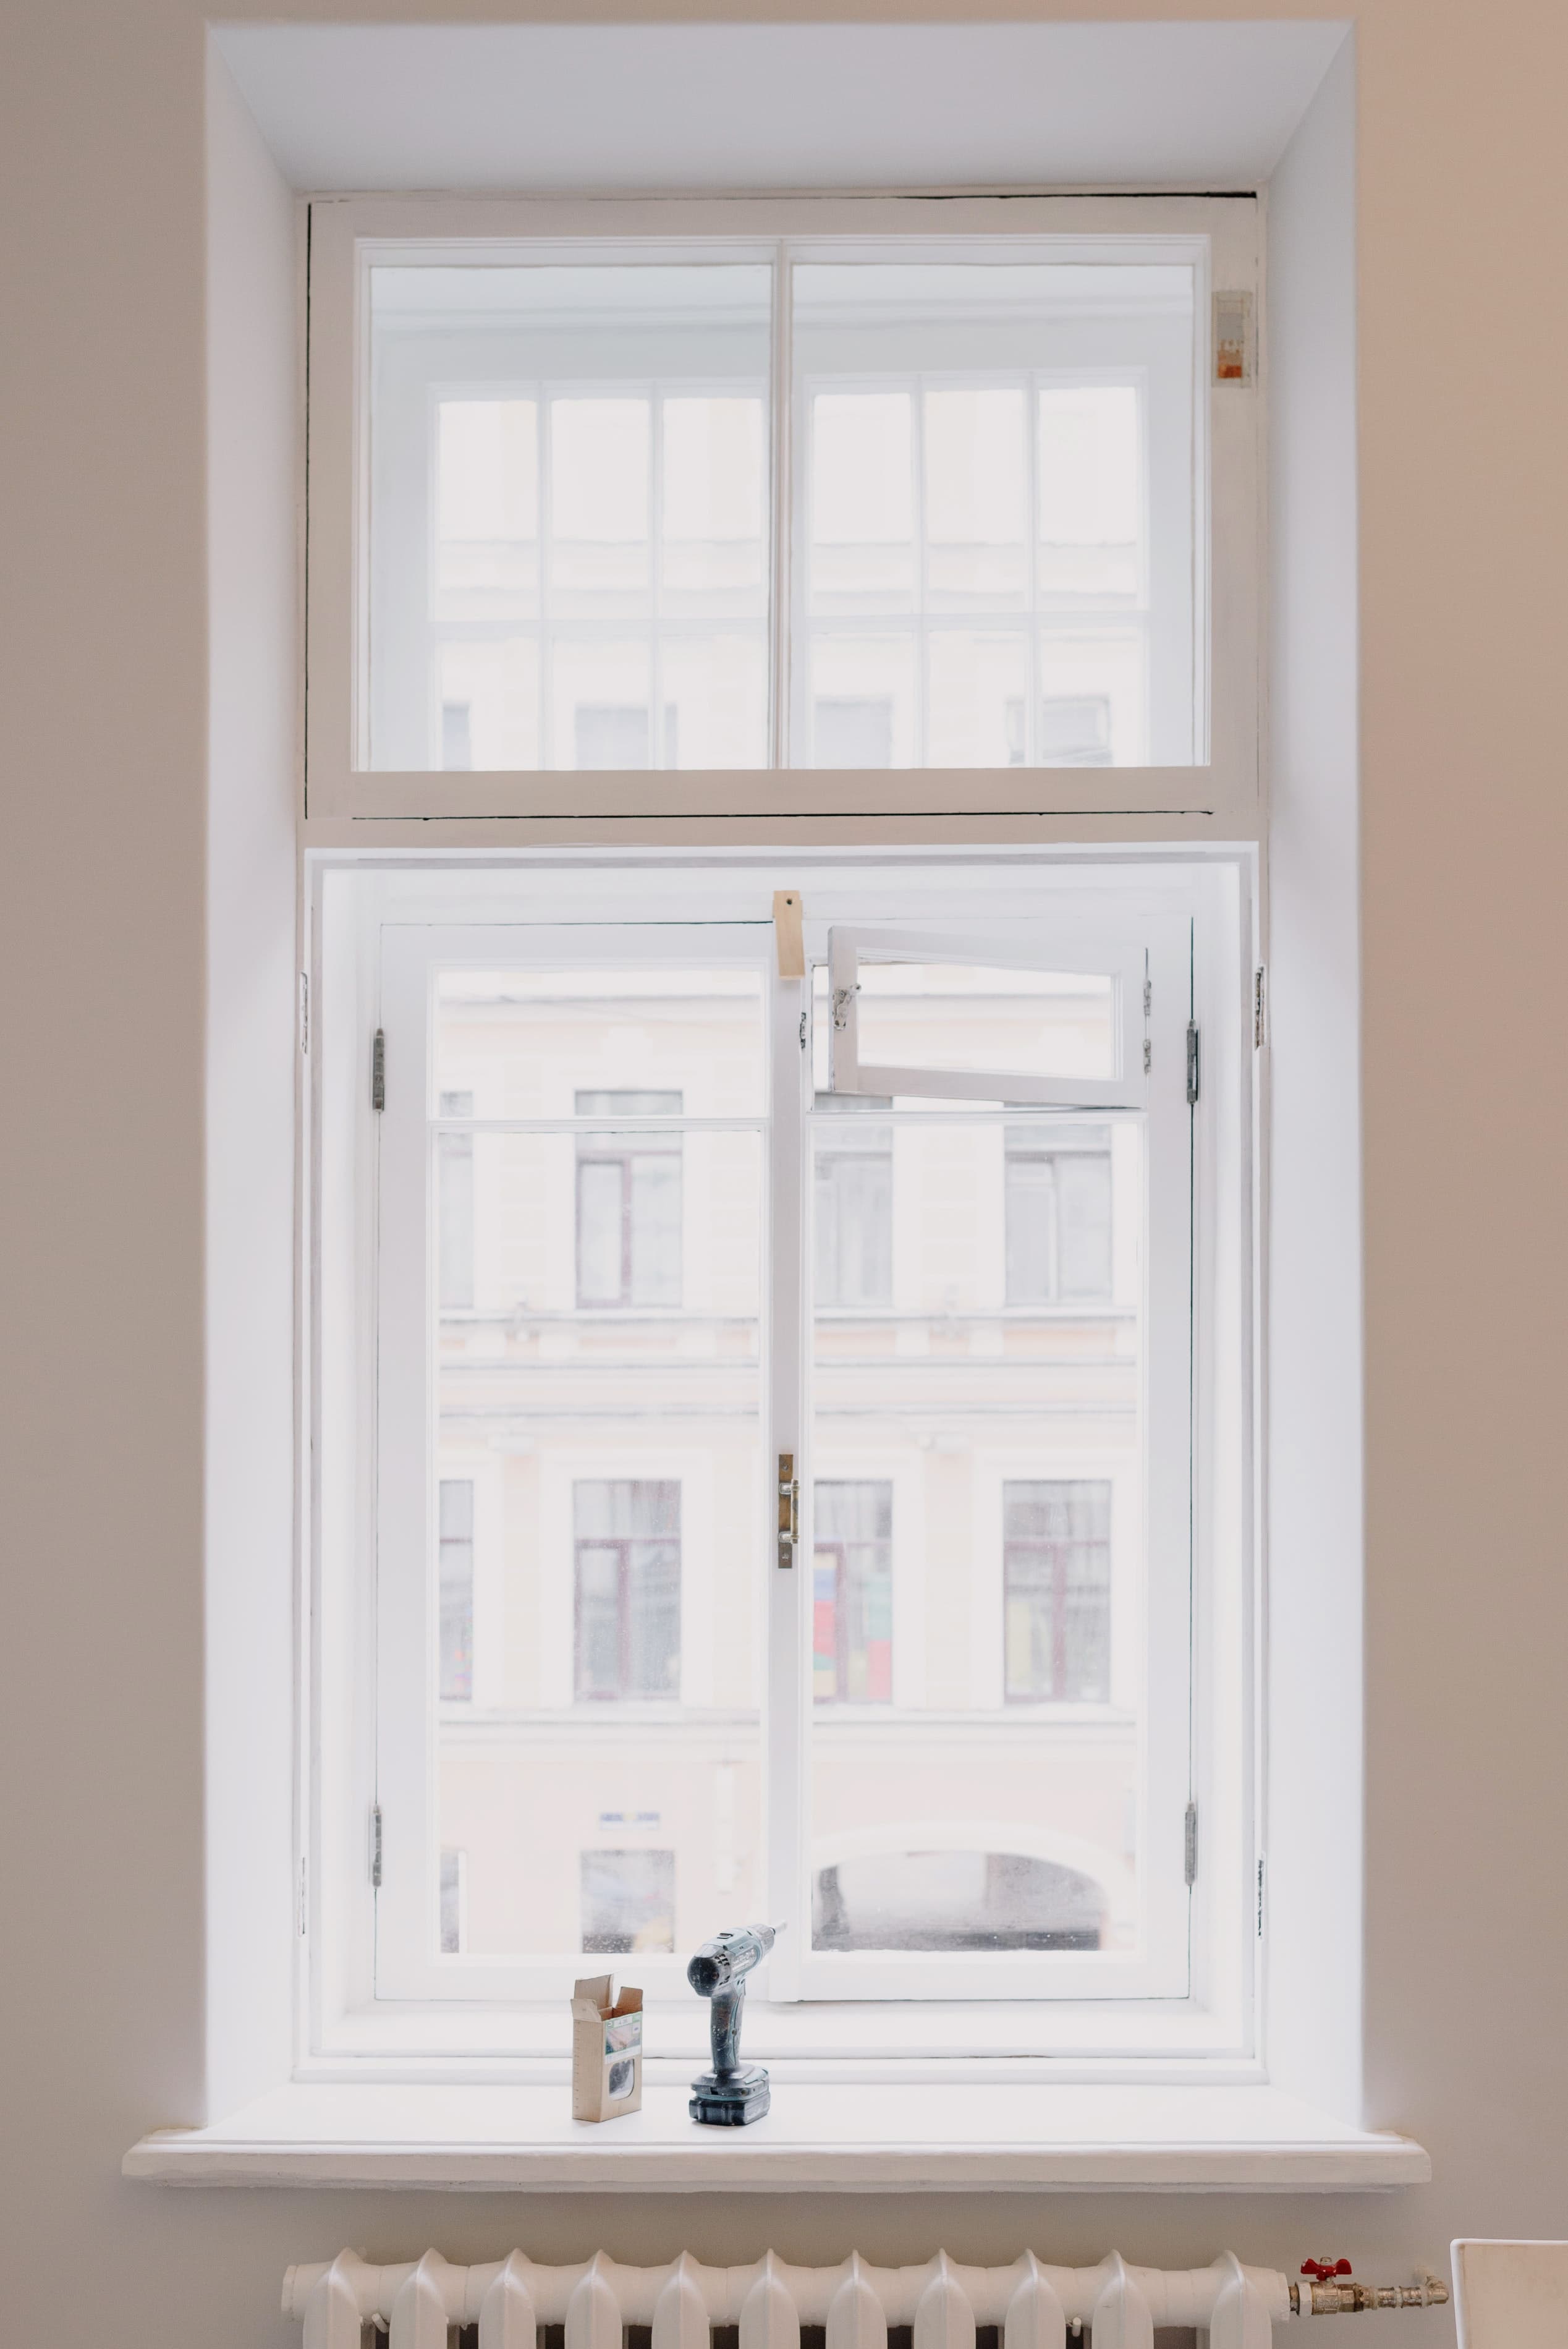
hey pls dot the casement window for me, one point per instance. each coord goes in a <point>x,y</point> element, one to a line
<point>750,487</point>
<point>942,1725</point>
<point>785,1440</point>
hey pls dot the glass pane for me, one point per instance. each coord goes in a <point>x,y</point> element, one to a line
<point>862,704</point>
<point>976,497</point>
<point>486,703</point>
<point>1058,1214</point>
<point>598,1420</point>
<point>863,501</point>
<point>977,1540</point>
<point>715,524</point>
<point>559,446</point>
<point>996,439</point>
<point>1091,490</point>
<point>1093,710</point>
<point>976,687</point>
<point>486,517</point>
<point>966,1018</point>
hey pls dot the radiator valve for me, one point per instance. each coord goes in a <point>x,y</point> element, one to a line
<point>1331,2292</point>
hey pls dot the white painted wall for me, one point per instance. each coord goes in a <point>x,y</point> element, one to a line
<point>108,880</point>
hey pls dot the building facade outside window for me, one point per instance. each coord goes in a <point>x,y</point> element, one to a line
<point>456,1584</point>
<point>455,1155</point>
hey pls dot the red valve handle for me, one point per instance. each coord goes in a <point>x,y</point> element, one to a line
<point>1321,2272</point>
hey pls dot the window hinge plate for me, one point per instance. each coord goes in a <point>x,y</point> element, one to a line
<point>1192,1062</point>
<point>375,1847</point>
<point>378,1071</point>
<point>1260,1006</point>
<point>305,1012</point>
<point>1190,1847</point>
<point>1260,1897</point>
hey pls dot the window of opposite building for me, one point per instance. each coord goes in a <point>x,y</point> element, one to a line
<point>1058,1210</point>
<point>628,1204</point>
<point>628,1900</point>
<point>456,1586</point>
<point>852,1619</point>
<point>627,1546</point>
<point>1055,1571</point>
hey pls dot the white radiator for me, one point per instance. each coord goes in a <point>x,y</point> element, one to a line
<point>1032,2306</point>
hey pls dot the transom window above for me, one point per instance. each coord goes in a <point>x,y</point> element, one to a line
<point>991,537</point>
<point>947,497</point>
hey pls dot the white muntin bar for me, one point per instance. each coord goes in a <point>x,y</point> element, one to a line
<point>1031,2303</point>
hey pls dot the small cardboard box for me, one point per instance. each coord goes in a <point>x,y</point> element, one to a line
<point>606,2050</point>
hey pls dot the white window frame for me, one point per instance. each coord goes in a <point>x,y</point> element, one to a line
<point>800,1973</point>
<point>1219,235</point>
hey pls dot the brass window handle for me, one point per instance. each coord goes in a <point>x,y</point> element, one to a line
<point>788,1509</point>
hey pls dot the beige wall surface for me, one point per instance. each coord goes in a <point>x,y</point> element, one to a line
<point>103,752</point>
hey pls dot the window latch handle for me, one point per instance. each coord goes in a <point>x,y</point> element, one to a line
<point>788,1509</point>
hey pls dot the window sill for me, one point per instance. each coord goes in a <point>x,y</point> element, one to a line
<point>893,2138</point>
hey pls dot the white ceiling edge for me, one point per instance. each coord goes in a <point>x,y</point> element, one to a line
<point>718,107</point>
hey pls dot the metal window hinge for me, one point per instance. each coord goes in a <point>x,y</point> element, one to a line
<point>378,1071</point>
<point>1260,1899</point>
<point>802,1031</point>
<point>305,1012</point>
<point>1147,1056</point>
<point>788,1509</point>
<point>375,1847</point>
<point>1190,1847</point>
<point>1260,1006</point>
<point>1191,1062</point>
<point>1148,996</point>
